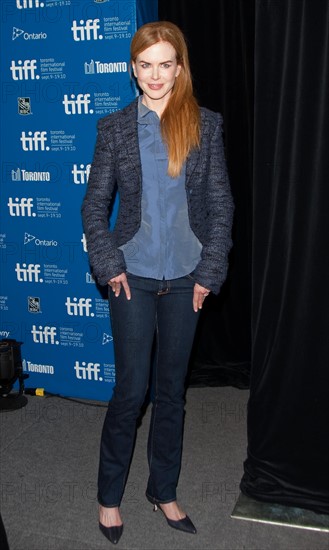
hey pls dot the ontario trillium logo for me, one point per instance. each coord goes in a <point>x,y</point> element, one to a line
<point>16,33</point>
<point>106,338</point>
<point>28,35</point>
<point>28,238</point>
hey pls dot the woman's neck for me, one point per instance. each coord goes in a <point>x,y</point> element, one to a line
<point>154,105</point>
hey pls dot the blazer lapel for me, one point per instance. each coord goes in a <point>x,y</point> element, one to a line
<point>129,135</point>
<point>191,163</point>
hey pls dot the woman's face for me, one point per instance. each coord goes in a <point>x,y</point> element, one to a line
<point>156,69</point>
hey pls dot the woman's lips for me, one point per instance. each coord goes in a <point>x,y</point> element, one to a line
<point>155,86</point>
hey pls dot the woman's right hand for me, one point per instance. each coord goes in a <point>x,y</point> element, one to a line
<point>116,282</point>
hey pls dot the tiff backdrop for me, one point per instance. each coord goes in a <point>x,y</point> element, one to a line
<point>63,66</point>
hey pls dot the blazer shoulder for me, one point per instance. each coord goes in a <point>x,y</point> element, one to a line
<point>211,122</point>
<point>212,117</point>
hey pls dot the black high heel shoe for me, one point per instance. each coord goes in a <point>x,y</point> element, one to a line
<point>184,524</point>
<point>113,534</point>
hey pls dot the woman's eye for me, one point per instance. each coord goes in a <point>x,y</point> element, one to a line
<point>162,66</point>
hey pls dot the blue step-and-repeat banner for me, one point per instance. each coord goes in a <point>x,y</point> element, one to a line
<point>64,65</point>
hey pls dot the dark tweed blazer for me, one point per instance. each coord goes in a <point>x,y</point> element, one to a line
<point>116,163</point>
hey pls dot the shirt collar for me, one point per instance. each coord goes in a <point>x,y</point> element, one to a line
<point>145,115</point>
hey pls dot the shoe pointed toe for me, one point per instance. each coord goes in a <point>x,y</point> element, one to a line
<point>113,534</point>
<point>184,524</point>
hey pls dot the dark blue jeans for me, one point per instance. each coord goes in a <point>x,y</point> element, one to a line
<point>162,309</point>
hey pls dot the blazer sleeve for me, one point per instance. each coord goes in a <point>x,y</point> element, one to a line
<point>105,258</point>
<point>218,208</point>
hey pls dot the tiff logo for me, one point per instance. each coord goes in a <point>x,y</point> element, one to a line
<point>87,371</point>
<point>21,207</point>
<point>80,175</point>
<point>84,242</point>
<point>24,71</point>
<point>44,335</point>
<point>86,30</point>
<point>25,4</point>
<point>34,141</point>
<point>28,273</point>
<point>79,307</point>
<point>77,105</point>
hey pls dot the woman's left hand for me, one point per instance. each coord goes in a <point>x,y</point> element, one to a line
<point>199,295</point>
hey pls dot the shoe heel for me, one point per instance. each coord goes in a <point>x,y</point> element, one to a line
<point>155,508</point>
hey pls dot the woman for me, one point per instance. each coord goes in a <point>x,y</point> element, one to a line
<point>167,252</point>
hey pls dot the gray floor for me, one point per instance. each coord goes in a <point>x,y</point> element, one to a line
<point>49,459</point>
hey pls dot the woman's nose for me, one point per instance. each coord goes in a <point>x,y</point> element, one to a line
<point>155,73</point>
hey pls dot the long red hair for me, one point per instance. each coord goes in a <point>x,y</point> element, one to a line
<point>180,121</point>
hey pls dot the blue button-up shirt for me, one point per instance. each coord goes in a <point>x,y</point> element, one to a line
<point>165,246</point>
